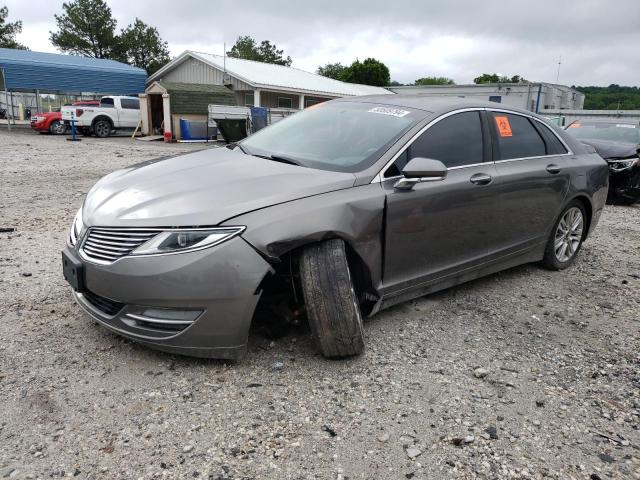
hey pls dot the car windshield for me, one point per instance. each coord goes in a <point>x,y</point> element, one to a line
<point>615,132</point>
<point>337,136</point>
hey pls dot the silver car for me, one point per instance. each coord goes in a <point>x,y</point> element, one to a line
<point>333,214</point>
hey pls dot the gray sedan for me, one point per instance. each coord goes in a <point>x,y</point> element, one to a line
<point>333,214</point>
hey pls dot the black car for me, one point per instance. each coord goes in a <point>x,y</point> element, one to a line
<point>618,142</point>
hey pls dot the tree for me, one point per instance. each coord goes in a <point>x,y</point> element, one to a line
<point>141,45</point>
<point>8,31</point>
<point>395,83</point>
<point>434,81</point>
<point>495,78</point>
<point>332,70</point>
<point>247,48</point>
<point>87,28</point>
<point>369,72</point>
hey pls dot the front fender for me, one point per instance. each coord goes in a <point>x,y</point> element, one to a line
<point>354,215</point>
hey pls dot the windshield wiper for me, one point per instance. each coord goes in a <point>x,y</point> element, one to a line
<point>281,159</point>
<point>233,145</point>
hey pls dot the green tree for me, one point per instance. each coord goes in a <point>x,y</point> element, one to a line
<point>368,72</point>
<point>495,78</point>
<point>332,70</point>
<point>87,28</point>
<point>9,30</point>
<point>395,83</point>
<point>613,97</point>
<point>141,46</point>
<point>246,47</point>
<point>434,81</point>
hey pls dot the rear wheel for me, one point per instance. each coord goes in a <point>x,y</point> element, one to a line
<point>102,128</point>
<point>566,237</point>
<point>330,299</point>
<point>57,128</point>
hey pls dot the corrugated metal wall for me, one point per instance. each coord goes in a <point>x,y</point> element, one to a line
<point>71,79</point>
<point>195,71</point>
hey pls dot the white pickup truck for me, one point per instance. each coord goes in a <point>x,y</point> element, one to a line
<point>113,113</point>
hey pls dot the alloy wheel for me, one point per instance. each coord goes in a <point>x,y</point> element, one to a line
<point>58,128</point>
<point>102,129</point>
<point>568,234</point>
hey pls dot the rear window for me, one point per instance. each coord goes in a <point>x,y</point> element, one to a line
<point>517,137</point>
<point>106,102</point>
<point>130,103</point>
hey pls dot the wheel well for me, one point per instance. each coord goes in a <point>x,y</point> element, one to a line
<point>282,300</point>
<point>102,117</point>
<point>588,210</point>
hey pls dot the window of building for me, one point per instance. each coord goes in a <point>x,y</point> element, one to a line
<point>285,102</point>
<point>517,137</point>
<point>249,100</point>
<point>310,101</point>
<point>130,103</point>
<point>495,98</point>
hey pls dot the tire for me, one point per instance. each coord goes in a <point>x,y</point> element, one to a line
<point>102,128</point>
<point>567,235</point>
<point>57,128</point>
<point>330,299</point>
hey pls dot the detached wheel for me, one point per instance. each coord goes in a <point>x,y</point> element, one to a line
<point>57,128</point>
<point>102,128</point>
<point>566,237</point>
<point>330,300</point>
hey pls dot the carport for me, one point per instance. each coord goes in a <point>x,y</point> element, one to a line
<point>26,75</point>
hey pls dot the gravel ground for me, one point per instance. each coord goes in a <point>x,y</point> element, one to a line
<point>523,374</point>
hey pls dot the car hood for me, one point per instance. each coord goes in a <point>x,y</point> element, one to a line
<point>608,149</point>
<point>201,189</point>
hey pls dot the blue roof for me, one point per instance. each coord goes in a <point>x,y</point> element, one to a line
<point>51,72</point>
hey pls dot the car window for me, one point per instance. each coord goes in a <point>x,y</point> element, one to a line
<point>130,103</point>
<point>455,141</point>
<point>554,145</point>
<point>614,132</point>
<point>106,102</point>
<point>517,137</point>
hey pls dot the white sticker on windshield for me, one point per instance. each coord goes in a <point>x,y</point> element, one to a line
<point>625,125</point>
<point>394,112</point>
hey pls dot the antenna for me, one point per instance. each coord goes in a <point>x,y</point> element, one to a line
<point>224,56</point>
<point>558,75</point>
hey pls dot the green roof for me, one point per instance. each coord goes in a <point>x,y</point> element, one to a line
<point>194,98</point>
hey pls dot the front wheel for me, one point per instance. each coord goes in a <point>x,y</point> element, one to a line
<point>566,237</point>
<point>102,128</point>
<point>57,128</point>
<point>330,299</point>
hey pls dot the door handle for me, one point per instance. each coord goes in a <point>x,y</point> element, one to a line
<point>553,168</point>
<point>480,179</point>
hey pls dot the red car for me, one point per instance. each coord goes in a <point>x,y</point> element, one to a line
<point>52,121</point>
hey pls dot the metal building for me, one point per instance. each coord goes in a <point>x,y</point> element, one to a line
<point>534,97</point>
<point>33,73</point>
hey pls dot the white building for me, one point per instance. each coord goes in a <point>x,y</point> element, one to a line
<point>251,83</point>
<point>534,97</point>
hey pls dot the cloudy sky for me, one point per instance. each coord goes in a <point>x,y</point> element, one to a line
<point>598,40</point>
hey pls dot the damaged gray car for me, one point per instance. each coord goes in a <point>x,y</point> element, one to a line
<point>333,214</point>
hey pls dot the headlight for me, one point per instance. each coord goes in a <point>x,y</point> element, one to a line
<point>76,228</point>
<point>620,165</point>
<point>179,241</point>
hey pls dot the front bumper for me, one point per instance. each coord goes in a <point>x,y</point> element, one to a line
<point>626,182</point>
<point>222,282</point>
<point>41,126</point>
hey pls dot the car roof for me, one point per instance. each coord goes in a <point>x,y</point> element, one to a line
<point>611,121</point>
<point>436,105</point>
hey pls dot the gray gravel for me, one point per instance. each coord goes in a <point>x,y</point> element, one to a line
<point>523,374</point>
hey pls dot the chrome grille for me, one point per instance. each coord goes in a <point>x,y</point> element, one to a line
<point>106,245</point>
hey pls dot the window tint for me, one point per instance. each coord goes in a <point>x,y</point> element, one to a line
<point>554,146</point>
<point>106,102</point>
<point>130,103</point>
<point>517,138</point>
<point>455,141</point>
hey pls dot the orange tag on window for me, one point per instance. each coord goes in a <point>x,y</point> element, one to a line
<point>574,125</point>
<point>504,128</point>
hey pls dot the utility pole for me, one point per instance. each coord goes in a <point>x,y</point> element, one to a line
<point>558,75</point>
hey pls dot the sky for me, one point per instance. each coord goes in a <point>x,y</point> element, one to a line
<point>595,40</point>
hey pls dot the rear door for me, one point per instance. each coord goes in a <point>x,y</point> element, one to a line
<point>533,166</point>
<point>441,227</point>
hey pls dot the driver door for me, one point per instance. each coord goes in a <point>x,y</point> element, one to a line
<point>439,228</point>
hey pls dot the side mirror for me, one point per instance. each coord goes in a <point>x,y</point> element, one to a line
<point>419,170</point>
